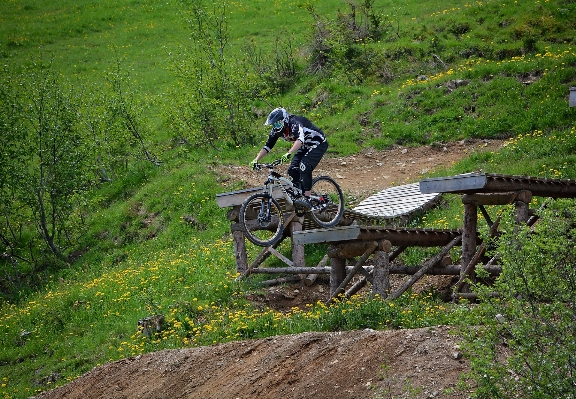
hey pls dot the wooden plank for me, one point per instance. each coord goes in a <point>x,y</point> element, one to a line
<point>314,236</point>
<point>458,183</point>
<point>398,237</point>
<point>494,183</point>
<point>572,100</point>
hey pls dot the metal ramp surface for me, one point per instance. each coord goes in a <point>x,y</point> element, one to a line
<point>395,202</point>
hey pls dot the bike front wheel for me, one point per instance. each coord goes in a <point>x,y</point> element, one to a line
<point>261,219</point>
<point>327,202</point>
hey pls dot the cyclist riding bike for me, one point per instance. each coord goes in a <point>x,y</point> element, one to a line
<point>309,147</point>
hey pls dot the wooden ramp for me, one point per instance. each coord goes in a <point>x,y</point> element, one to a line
<point>393,203</point>
<point>373,228</point>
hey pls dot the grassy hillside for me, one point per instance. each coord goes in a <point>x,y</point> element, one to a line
<point>442,71</point>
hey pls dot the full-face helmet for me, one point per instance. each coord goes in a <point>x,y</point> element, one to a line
<point>277,118</point>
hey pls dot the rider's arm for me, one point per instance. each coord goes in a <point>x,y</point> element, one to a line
<point>261,154</point>
<point>295,147</point>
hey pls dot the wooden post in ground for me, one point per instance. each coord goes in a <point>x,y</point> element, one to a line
<point>362,282</point>
<point>240,251</point>
<point>475,259</point>
<point>381,279</point>
<point>340,288</point>
<point>337,273</point>
<point>297,249</point>
<point>523,206</point>
<point>469,236</point>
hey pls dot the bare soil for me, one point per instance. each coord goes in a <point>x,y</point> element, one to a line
<point>372,171</point>
<point>419,363</point>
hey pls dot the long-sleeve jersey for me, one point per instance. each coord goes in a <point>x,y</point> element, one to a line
<point>299,128</point>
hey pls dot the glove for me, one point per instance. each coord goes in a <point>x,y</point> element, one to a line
<point>253,164</point>
<point>286,157</point>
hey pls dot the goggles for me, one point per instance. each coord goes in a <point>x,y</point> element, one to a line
<point>277,125</point>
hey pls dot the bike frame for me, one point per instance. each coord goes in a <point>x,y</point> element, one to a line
<point>275,179</point>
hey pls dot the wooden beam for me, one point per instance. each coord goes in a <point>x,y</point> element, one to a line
<point>277,254</point>
<point>451,270</point>
<point>428,265</point>
<point>356,248</point>
<point>497,198</point>
<point>349,276</point>
<point>397,236</point>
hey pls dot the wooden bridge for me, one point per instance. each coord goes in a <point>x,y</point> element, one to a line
<point>371,228</point>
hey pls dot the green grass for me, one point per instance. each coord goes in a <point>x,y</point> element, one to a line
<point>140,257</point>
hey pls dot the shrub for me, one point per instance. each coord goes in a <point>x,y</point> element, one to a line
<point>526,348</point>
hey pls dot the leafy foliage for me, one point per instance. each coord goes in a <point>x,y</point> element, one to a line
<point>216,88</point>
<point>143,239</point>
<point>526,347</point>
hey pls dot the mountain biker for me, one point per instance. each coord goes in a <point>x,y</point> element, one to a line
<point>309,147</point>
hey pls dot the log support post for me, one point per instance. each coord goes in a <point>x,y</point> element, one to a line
<point>469,235</point>
<point>298,259</point>
<point>240,251</point>
<point>523,207</point>
<point>340,288</point>
<point>381,284</point>
<point>337,273</point>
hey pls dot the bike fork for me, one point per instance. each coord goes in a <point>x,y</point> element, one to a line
<point>264,214</point>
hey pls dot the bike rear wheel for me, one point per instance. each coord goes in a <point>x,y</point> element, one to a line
<point>327,202</point>
<point>261,219</point>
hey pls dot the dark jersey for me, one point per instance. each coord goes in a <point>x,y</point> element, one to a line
<point>299,128</point>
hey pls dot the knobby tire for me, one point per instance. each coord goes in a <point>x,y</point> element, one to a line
<point>331,215</point>
<point>261,227</point>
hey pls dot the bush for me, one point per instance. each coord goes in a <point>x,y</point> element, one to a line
<point>526,348</point>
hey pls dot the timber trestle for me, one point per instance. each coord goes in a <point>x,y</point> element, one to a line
<point>366,230</point>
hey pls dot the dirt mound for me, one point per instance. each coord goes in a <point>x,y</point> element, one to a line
<point>421,363</point>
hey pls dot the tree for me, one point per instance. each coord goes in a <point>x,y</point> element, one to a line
<point>58,156</point>
<point>216,91</point>
<point>12,161</point>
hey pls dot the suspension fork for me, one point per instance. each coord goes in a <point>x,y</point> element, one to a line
<point>265,205</point>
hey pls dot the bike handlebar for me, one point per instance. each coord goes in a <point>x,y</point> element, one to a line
<point>271,165</point>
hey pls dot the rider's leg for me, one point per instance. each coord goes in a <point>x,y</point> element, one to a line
<point>308,164</point>
<point>294,168</point>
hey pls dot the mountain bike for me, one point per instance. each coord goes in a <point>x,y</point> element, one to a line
<point>262,218</point>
